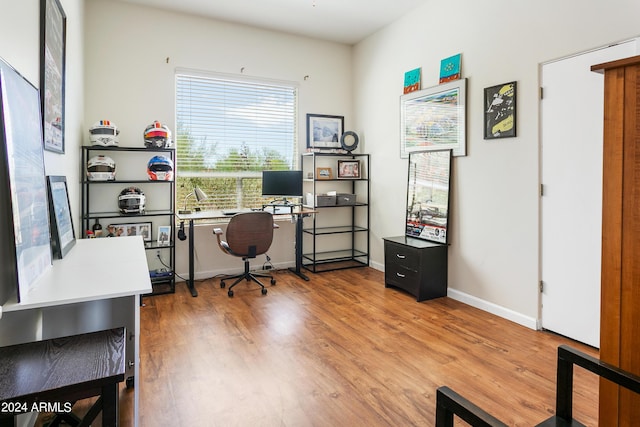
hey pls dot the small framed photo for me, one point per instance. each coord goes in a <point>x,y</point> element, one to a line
<point>324,173</point>
<point>164,235</point>
<point>500,111</point>
<point>348,169</point>
<point>135,229</point>
<point>324,132</point>
<point>63,236</point>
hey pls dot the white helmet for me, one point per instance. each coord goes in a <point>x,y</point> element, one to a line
<point>101,168</point>
<point>131,201</point>
<point>157,135</point>
<point>104,133</point>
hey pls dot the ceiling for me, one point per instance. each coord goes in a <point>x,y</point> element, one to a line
<point>343,21</point>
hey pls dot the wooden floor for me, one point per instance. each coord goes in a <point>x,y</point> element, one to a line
<point>339,350</point>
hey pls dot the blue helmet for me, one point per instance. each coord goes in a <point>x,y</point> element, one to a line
<point>160,168</point>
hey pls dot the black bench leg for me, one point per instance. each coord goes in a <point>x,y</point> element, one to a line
<point>110,403</point>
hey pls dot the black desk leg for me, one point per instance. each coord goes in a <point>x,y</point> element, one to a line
<point>190,284</point>
<point>298,268</point>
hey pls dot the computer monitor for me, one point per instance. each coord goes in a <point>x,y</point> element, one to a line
<point>282,184</point>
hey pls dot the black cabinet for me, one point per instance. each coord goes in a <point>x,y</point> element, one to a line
<point>416,266</point>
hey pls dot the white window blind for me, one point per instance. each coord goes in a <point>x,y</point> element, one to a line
<point>228,132</point>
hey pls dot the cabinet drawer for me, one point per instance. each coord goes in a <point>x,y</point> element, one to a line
<point>401,255</point>
<point>403,278</point>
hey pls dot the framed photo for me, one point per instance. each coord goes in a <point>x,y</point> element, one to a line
<point>348,169</point>
<point>324,132</point>
<point>434,119</point>
<point>324,173</point>
<point>53,32</point>
<point>500,111</point>
<point>63,236</point>
<point>164,235</point>
<point>134,229</point>
<point>26,244</point>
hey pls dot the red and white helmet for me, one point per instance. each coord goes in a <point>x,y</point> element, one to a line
<point>157,135</point>
<point>104,133</point>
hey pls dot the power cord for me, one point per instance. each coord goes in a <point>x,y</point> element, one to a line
<point>267,265</point>
<point>168,267</point>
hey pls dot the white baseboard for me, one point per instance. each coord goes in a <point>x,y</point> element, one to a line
<point>202,275</point>
<point>492,308</point>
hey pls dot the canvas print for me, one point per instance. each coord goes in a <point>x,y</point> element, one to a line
<point>450,68</point>
<point>412,80</point>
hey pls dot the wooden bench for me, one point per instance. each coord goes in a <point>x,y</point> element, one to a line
<point>51,375</point>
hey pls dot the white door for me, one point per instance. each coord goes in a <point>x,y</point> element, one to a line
<point>571,205</point>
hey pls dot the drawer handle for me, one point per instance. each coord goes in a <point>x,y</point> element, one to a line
<point>401,256</point>
<point>400,275</point>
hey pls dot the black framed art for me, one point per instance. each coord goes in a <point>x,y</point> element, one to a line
<point>500,111</point>
<point>53,33</point>
<point>63,235</point>
<point>25,248</point>
<point>324,132</point>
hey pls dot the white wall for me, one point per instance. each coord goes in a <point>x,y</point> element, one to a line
<point>494,253</point>
<point>131,56</point>
<point>20,46</point>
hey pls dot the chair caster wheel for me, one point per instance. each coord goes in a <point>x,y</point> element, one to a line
<point>222,284</point>
<point>273,281</point>
<point>230,293</point>
<point>264,291</point>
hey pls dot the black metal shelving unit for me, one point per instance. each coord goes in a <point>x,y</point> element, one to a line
<point>157,217</point>
<point>338,235</point>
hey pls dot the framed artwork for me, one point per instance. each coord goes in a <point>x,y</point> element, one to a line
<point>434,119</point>
<point>412,80</point>
<point>164,235</point>
<point>348,169</point>
<point>324,173</point>
<point>63,236</point>
<point>450,68</point>
<point>135,229</point>
<point>324,132</point>
<point>26,246</point>
<point>53,32</point>
<point>500,111</point>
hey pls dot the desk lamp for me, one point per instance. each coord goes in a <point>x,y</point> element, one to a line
<point>199,195</point>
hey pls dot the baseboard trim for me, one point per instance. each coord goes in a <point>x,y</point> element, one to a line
<point>492,308</point>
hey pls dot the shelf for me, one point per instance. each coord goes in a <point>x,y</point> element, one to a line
<point>99,215</point>
<point>334,230</point>
<point>338,206</point>
<point>127,181</point>
<point>333,256</point>
<point>119,148</point>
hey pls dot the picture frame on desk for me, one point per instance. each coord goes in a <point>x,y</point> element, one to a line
<point>63,236</point>
<point>133,229</point>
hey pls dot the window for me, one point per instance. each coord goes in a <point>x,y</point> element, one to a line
<point>227,132</point>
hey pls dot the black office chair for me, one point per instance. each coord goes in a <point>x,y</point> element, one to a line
<point>248,234</point>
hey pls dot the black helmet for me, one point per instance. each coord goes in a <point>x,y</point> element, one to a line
<point>131,201</point>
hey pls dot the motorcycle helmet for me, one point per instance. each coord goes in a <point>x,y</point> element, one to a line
<point>131,201</point>
<point>160,168</point>
<point>157,135</point>
<point>101,168</point>
<point>104,133</point>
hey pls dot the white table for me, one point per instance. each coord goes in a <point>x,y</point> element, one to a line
<point>96,286</point>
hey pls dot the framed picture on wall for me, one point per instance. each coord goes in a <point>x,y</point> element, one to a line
<point>324,132</point>
<point>500,111</point>
<point>434,119</point>
<point>53,32</point>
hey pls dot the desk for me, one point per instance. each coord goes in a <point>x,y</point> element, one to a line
<point>60,371</point>
<point>298,214</point>
<point>96,286</point>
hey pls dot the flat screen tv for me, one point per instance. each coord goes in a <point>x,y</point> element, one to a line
<point>282,184</point>
<point>428,195</point>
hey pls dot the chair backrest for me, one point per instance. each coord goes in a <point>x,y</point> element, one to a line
<point>250,233</point>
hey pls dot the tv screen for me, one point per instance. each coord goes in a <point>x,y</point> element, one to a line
<point>428,195</point>
<point>282,183</point>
